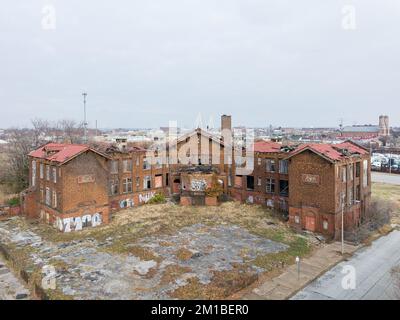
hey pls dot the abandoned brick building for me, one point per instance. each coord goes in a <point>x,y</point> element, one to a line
<point>77,186</point>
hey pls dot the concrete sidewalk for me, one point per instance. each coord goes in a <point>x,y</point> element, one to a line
<point>288,283</point>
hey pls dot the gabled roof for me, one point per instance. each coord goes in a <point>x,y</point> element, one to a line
<point>352,147</point>
<point>331,152</point>
<point>202,133</point>
<point>324,150</point>
<point>60,152</point>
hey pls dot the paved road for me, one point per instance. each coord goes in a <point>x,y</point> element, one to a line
<point>373,274</point>
<point>385,178</point>
<point>11,288</point>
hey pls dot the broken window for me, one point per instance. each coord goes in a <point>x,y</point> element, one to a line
<point>283,166</point>
<point>270,165</point>
<point>147,182</point>
<point>41,169</point>
<point>146,164</point>
<point>114,166</point>
<point>55,175</point>
<point>250,182</point>
<point>137,182</point>
<point>127,185</point>
<point>158,164</point>
<point>358,169</point>
<point>344,174</point>
<point>114,187</point>
<point>284,188</point>
<point>270,186</point>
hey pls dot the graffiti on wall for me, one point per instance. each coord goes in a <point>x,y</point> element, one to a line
<point>126,203</point>
<point>143,198</point>
<point>78,223</point>
<point>198,185</point>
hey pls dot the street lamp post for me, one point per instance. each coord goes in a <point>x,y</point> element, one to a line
<point>298,267</point>
<point>343,199</point>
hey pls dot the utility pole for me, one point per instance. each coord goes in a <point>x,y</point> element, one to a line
<point>84,117</point>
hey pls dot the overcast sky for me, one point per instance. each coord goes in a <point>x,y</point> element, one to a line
<point>143,63</point>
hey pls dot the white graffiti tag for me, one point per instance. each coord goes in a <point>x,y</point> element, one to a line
<point>198,185</point>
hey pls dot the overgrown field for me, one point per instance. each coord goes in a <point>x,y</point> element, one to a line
<point>163,251</point>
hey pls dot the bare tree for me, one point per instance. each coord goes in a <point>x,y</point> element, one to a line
<point>71,130</point>
<point>16,169</point>
<point>41,130</point>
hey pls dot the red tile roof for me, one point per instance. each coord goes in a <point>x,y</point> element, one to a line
<point>352,147</point>
<point>323,149</point>
<point>267,146</point>
<point>58,152</point>
<point>333,152</point>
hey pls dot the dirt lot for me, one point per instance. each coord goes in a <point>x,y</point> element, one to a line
<point>158,252</point>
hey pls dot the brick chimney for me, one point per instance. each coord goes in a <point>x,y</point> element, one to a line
<point>226,122</point>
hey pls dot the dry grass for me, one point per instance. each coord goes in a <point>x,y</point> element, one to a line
<point>183,254</point>
<point>172,272</point>
<point>223,285</point>
<point>389,193</point>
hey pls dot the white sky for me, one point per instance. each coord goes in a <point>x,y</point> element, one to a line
<point>144,63</point>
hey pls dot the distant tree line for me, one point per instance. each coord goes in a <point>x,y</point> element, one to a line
<point>14,167</point>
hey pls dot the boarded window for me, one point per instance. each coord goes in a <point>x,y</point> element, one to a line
<point>158,181</point>
<point>41,171</point>
<point>238,181</point>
